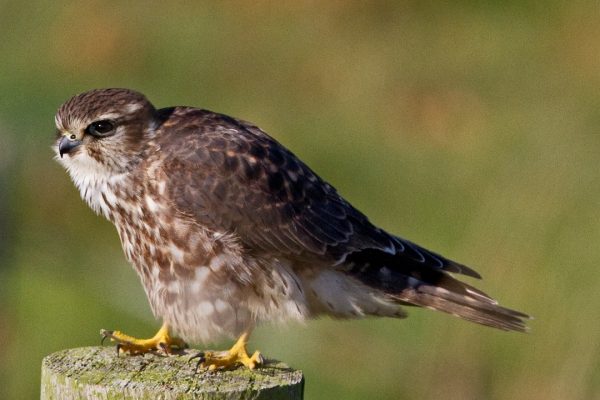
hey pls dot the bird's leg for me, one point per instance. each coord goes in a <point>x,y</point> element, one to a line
<point>235,356</point>
<point>162,341</point>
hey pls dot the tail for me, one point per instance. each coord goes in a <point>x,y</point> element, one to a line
<point>411,282</point>
<point>463,301</point>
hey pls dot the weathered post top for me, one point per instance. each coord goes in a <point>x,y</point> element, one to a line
<point>99,373</point>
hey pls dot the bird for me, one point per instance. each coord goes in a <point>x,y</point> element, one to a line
<point>228,229</point>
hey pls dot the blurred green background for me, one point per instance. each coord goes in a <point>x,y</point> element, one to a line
<point>468,127</point>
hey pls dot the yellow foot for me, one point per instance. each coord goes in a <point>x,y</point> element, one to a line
<point>162,341</point>
<point>237,355</point>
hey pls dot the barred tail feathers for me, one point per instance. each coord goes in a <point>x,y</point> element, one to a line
<point>471,305</point>
<point>410,282</point>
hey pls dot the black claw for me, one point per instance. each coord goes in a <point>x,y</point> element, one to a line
<point>163,346</point>
<point>103,339</point>
<point>105,334</point>
<point>118,347</point>
<point>200,354</point>
<point>201,358</point>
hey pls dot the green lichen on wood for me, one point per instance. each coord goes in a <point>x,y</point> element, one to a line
<point>99,373</point>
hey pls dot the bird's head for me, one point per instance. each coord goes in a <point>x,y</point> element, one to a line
<point>103,130</point>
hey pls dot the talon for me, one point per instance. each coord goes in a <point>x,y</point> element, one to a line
<point>199,355</point>
<point>256,360</point>
<point>201,358</point>
<point>162,341</point>
<point>163,346</point>
<point>237,355</point>
<point>104,333</point>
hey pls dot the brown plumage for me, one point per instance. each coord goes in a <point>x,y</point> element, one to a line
<point>227,228</point>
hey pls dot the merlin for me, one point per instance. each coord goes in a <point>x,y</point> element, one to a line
<point>228,229</point>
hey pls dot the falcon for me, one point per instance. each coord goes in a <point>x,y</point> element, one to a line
<point>228,229</point>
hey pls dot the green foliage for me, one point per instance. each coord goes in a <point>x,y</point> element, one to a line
<point>468,127</point>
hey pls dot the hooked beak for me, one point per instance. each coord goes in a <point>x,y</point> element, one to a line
<point>66,145</point>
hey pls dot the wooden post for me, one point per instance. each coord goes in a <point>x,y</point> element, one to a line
<point>99,373</point>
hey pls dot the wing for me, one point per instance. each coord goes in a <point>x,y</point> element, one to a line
<point>231,176</point>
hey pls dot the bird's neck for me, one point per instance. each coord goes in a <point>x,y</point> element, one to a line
<point>99,188</point>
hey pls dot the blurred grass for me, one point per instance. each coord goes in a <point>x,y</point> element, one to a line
<point>469,127</point>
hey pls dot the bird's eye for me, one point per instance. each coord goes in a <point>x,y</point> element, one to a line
<point>100,128</point>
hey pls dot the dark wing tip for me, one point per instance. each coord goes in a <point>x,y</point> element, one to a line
<point>432,259</point>
<point>453,266</point>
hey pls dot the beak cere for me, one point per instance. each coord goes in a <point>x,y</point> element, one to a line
<point>66,145</point>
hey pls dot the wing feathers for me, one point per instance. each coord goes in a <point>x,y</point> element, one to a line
<point>229,176</point>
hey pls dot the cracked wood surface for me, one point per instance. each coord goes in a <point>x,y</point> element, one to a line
<point>98,373</point>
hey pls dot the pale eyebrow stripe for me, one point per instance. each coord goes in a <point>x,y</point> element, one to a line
<point>108,116</point>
